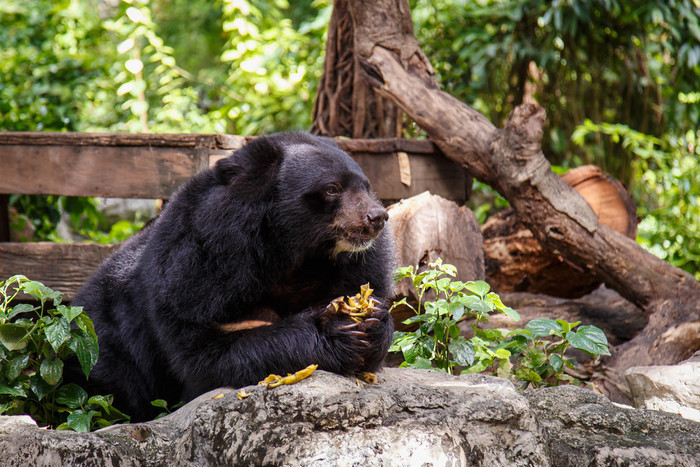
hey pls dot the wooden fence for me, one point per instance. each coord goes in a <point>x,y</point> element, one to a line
<point>153,166</point>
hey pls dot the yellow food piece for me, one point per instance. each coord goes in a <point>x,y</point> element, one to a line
<point>357,307</point>
<point>367,377</point>
<point>242,394</point>
<point>273,381</point>
<point>219,396</point>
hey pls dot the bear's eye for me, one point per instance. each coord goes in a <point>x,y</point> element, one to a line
<point>333,189</point>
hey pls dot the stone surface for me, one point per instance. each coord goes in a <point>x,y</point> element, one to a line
<point>411,417</point>
<point>671,388</point>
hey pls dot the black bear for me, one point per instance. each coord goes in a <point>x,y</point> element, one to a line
<point>232,281</point>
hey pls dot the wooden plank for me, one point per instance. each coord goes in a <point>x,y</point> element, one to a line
<point>183,140</point>
<point>61,266</point>
<point>438,175</point>
<point>186,140</point>
<point>152,166</point>
<point>388,145</point>
<point>135,172</point>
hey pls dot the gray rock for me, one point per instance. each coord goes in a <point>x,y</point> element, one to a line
<point>411,417</point>
<point>671,388</point>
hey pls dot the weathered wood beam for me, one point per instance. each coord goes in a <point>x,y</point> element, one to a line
<point>61,266</point>
<point>153,166</point>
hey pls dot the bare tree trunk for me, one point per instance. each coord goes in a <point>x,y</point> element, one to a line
<point>511,161</point>
<point>345,104</point>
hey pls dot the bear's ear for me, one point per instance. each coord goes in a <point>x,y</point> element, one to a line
<point>251,171</point>
<point>225,170</point>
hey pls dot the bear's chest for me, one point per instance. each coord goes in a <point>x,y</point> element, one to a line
<point>301,288</point>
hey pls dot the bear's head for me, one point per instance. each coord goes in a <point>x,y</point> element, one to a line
<point>316,196</point>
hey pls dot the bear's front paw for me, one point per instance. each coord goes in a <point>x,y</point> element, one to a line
<point>356,345</point>
<point>378,329</point>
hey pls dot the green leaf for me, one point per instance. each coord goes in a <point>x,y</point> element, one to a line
<point>400,273</point>
<point>543,327</point>
<point>456,310</point>
<point>419,318</point>
<point>51,371</point>
<point>504,367</point>
<point>21,308</point>
<point>13,336</point>
<point>439,331</point>
<point>492,335</point>
<point>526,374</point>
<point>443,284</point>
<point>479,288</point>
<point>410,353</point>
<point>41,292</point>
<point>105,402</point>
<point>57,332</point>
<point>449,269</point>
<point>566,326</point>
<point>517,344</point>
<point>511,313</point>
<point>474,303</point>
<point>556,362</point>
<point>16,365</point>
<point>15,391</point>
<point>40,387</point>
<point>87,352</point>
<point>478,367</point>
<point>462,352</point>
<point>71,395</point>
<point>161,403</point>
<point>86,325</point>
<point>590,339</point>
<point>80,421</point>
<point>422,363</point>
<point>69,312</point>
<point>535,358</point>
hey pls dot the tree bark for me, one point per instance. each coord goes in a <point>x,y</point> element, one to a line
<point>345,104</point>
<point>515,260</point>
<point>512,162</point>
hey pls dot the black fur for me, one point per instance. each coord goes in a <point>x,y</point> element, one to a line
<point>277,230</point>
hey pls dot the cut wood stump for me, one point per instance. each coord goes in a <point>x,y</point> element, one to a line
<point>428,227</point>
<point>517,262</point>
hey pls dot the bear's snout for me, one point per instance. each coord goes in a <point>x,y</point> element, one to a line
<point>358,223</point>
<point>376,217</point>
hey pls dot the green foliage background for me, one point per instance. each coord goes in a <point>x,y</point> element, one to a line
<point>620,76</point>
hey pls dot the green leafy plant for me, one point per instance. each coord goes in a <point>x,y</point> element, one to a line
<point>534,355</point>
<point>167,410</point>
<point>36,339</point>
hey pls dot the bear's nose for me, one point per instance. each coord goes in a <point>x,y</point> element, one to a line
<point>376,217</point>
